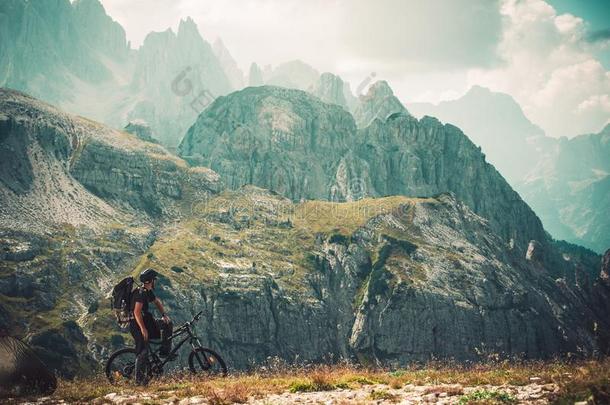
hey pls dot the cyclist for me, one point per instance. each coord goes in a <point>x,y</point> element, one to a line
<point>144,327</point>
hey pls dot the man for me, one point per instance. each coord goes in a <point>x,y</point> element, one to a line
<point>144,327</point>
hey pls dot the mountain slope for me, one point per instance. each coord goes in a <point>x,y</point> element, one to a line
<point>79,203</point>
<point>47,47</point>
<point>59,169</point>
<point>292,143</point>
<point>275,278</point>
<point>562,180</point>
<point>570,189</point>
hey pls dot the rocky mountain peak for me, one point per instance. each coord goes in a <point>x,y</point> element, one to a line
<point>99,30</point>
<point>378,102</point>
<point>379,89</point>
<point>187,30</point>
<point>294,74</point>
<point>255,76</point>
<point>330,88</point>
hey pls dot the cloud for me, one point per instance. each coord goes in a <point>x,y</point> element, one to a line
<point>393,35</point>
<point>427,50</point>
<point>550,69</point>
<point>599,35</point>
<point>422,35</point>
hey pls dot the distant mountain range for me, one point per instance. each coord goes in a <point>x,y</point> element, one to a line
<point>564,180</point>
<point>75,56</point>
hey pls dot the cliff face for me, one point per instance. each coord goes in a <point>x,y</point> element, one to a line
<point>48,46</point>
<point>330,89</point>
<point>63,169</point>
<point>290,142</point>
<point>282,139</point>
<point>387,280</point>
<point>176,76</point>
<point>391,280</point>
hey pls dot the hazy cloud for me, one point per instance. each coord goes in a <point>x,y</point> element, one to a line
<point>549,69</point>
<point>427,50</point>
<point>599,35</point>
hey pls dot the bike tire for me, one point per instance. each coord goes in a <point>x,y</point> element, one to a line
<point>112,368</point>
<point>212,360</point>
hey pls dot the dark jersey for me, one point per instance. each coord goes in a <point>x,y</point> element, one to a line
<point>144,296</point>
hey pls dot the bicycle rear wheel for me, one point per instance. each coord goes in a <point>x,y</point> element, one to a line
<point>121,366</point>
<point>206,361</point>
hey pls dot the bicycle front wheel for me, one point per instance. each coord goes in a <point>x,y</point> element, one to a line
<point>206,361</point>
<point>121,366</point>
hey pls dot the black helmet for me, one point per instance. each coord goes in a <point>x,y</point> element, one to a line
<point>148,275</point>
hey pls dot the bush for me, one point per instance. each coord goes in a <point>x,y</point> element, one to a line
<point>486,395</point>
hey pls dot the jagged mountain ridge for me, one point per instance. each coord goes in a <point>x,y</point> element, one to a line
<point>274,278</point>
<point>292,143</point>
<point>379,102</point>
<point>75,56</point>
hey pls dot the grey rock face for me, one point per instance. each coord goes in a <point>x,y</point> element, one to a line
<point>62,169</point>
<point>330,89</point>
<point>53,40</point>
<point>258,135</point>
<point>255,76</point>
<point>282,139</point>
<point>379,102</point>
<point>605,272</point>
<point>140,129</point>
<point>176,75</point>
<point>388,280</point>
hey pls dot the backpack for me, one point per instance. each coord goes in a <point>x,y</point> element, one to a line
<point>120,302</point>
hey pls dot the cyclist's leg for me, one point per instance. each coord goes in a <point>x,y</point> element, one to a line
<point>141,353</point>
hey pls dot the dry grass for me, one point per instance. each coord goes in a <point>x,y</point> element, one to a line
<point>577,381</point>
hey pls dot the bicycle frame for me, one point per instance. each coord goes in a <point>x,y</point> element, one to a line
<point>184,329</point>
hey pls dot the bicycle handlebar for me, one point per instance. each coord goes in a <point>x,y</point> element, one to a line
<point>189,323</point>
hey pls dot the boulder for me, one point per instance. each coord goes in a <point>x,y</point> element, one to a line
<point>21,370</point>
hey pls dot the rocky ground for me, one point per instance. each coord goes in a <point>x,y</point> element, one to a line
<point>496,382</point>
<point>534,393</point>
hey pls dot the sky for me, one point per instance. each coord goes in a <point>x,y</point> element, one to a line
<point>552,56</point>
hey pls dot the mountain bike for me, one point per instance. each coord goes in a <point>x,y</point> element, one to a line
<point>121,365</point>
